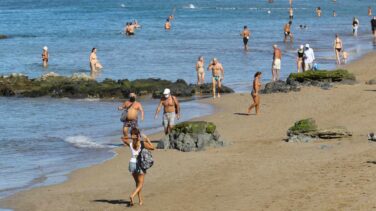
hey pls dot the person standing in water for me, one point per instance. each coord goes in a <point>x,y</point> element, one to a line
<point>218,74</point>
<point>134,108</point>
<point>299,59</point>
<point>45,56</point>
<point>373,26</point>
<point>171,109</point>
<point>334,13</point>
<point>291,13</point>
<point>369,11</point>
<point>309,58</point>
<point>355,26</point>
<point>94,63</point>
<point>245,34</point>
<point>167,25</point>
<point>338,45</point>
<point>318,11</point>
<point>200,70</point>
<point>276,66</point>
<point>255,94</point>
<point>287,32</point>
<point>136,143</point>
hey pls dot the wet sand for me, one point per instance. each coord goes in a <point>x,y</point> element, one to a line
<point>256,171</point>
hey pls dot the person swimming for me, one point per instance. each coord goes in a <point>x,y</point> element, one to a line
<point>287,32</point>
<point>167,24</point>
<point>318,11</point>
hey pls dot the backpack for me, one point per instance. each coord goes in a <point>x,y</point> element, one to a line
<point>124,115</point>
<point>145,159</point>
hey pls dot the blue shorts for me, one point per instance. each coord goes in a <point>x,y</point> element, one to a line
<point>134,168</point>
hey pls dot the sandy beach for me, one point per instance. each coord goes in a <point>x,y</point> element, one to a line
<point>256,171</point>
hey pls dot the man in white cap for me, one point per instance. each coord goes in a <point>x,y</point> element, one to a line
<point>309,57</point>
<point>45,56</point>
<point>171,109</point>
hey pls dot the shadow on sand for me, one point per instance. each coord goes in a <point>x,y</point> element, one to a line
<point>244,114</point>
<point>114,201</point>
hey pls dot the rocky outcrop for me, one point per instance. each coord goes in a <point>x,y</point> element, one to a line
<point>306,130</point>
<point>2,36</point>
<point>371,82</point>
<point>320,78</point>
<point>192,136</point>
<point>82,86</point>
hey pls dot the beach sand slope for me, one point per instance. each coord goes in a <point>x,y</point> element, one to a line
<point>256,171</point>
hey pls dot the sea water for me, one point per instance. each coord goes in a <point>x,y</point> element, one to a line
<point>42,139</point>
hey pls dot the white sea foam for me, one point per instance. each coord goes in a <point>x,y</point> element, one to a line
<point>83,142</point>
<point>122,5</point>
<point>191,6</point>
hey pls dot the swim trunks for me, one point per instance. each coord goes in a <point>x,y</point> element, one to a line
<point>131,123</point>
<point>217,78</point>
<point>168,119</point>
<point>338,49</point>
<point>245,40</point>
<point>277,64</point>
<point>287,34</point>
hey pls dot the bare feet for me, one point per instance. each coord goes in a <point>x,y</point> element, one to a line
<point>131,201</point>
<point>141,203</point>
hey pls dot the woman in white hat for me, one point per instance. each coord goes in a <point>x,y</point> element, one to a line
<point>299,58</point>
<point>45,56</point>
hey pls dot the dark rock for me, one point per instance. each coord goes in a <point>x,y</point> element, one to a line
<point>334,133</point>
<point>81,86</point>
<point>371,82</point>
<point>2,36</point>
<point>306,131</point>
<point>279,86</point>
<point>192,136</point>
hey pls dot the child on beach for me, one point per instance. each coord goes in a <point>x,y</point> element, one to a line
<point>345,56</point>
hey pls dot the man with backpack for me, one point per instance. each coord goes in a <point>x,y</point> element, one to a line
<point>171,109</point>
<point>131,108</point>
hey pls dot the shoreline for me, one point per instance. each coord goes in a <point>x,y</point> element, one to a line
<point>266,141</point>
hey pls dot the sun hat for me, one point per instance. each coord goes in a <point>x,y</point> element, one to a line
<point>45,48</point>
<point>307,45</point>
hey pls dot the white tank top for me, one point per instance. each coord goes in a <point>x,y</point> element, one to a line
<point>134,153</point>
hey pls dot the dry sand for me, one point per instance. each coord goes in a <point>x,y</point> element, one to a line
<point>257,171</point>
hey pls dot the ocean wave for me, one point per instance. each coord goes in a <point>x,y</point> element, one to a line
<point>83,142</point>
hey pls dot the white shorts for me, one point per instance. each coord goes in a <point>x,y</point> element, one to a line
<point>168,119</point>
<point>277,64</point>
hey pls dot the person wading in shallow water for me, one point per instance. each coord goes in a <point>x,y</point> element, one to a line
<point>134,108</point>
<point>45,56</point>
<point>136,143</point>
<point>218,74</point>
<point>255,93</point>
<point>200,70</point>
<point>171,109</point>
<point>246,35</point>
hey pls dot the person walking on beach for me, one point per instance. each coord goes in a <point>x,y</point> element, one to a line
<point>299,58</point>
<point>309,58</point>
<point>200,70</point>
<point>355,25</point>
<point>133,109</point>
<point>218,74</point>
<point>338,48</point>
<point>245,34</point>
<point>167,25</point>
<point>276,66</point>
<point>136,143</point>
<point>373,26</point>
<point>171,109</point>
<point>318,11</point>
<point>45,56</point>
<point>287,32</point>
<point>255,93</point>
<point>94,63</point>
